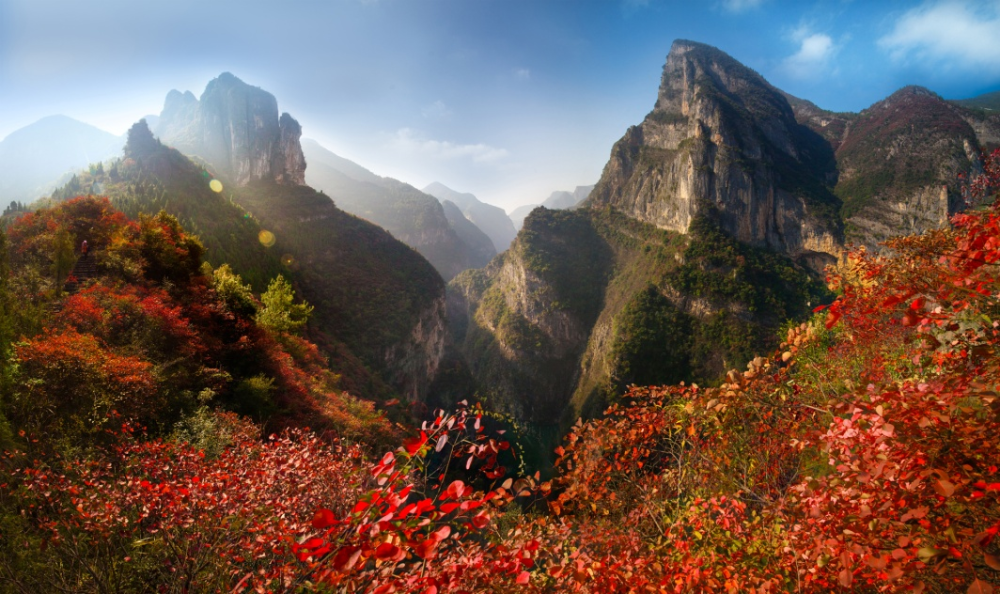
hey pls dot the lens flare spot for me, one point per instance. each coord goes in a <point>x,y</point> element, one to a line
<point>216,185</point>
<point>266,238</point>
<point>287,260</point>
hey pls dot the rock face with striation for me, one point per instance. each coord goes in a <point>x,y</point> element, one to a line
<point>235,128</point>
<point>722,142</point>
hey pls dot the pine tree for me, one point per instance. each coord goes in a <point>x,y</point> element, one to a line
<point>279,313</point>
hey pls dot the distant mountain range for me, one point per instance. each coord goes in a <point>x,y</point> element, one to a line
<point>34,159</point>
<point>492,220</point>
<point>412,216</point>
<point>558,200</point>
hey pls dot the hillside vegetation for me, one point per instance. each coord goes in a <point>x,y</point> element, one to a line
<point>369,290</point>
<point>858,456</point>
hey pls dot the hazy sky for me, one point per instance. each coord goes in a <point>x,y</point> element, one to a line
<point>507,99</point>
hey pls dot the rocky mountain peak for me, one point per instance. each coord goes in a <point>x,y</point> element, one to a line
<point>722,142</point>
<point>235,127</point>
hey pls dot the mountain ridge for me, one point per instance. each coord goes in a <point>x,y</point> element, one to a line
<point>492,220</point>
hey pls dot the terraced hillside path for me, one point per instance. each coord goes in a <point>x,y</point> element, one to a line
<point>84,270</point>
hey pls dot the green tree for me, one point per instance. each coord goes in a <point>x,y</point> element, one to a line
<point>279,313</point>
<point>237,296</point>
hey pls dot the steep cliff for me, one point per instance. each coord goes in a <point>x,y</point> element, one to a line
<point>586,302</point>
<point>235,128</point>
<point>373,293</point>
<point>720,136</point>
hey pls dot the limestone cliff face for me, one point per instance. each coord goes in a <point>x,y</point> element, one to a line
<point>722,142</point>
<point>416,360</point>
<point>235,128</point>
<point>291,167</point>
<point>522,326</point>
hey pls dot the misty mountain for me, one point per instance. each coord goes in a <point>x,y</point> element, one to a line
<point>493,221</point>
<point>235,127</point>
<point>35,158</point>
<point>480,247</point>
<point>412,216</point>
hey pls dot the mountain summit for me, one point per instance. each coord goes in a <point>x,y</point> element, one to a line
<point>722,142</point>
<point>235,127</point>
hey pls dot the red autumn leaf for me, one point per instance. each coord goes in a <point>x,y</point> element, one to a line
<point>346,558</point>
<point>425,548</point>
<point>980,587</point>
<point>523,578</point>
<point>992,561</point>
<point>455,490</point>
<point>845,577</point>
<point>323,519</point>
<point>441,533</point>
<point>386,550</point>
<point>413,445</point>
<point>480,521</point>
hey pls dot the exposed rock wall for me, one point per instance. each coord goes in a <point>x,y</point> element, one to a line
<point>415,361</point>
<point>236,129</point>
<point>291,166</point>
<point>723,142</point>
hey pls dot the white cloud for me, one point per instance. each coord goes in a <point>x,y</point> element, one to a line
<point>813,57</point>
<point>409,141</point>
<point>740,5</point>
<point>437,111</point>
<point>958,34</point>
<point>522,74</point>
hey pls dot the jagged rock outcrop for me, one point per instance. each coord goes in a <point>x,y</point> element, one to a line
<point>699,233</point>
<point>293,168</point>
<point>521,325</point>
<point>723,142</point>
<point>235,128</point>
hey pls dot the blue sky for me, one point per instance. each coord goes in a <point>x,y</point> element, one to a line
<point>508,99</point>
